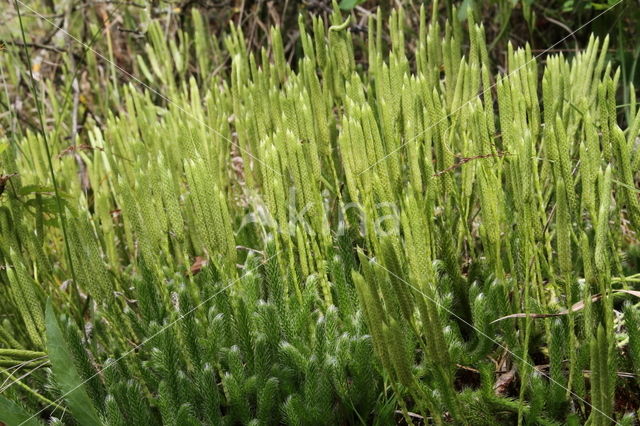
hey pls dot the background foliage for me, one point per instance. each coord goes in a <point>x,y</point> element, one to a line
<point>467,214</point>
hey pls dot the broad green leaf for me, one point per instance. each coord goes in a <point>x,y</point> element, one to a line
<point>12,414</point>
<point>349,4</point>
<point>47,204</point>
<point>66,375</point>
<point>464,9</point>
<point>28,189</point>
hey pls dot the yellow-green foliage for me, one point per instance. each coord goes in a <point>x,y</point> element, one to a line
<point>328,241</point>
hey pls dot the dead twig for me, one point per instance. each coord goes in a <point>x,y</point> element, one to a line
<point>20,44</point>
<point>4,179</point>
<point>465,160</point>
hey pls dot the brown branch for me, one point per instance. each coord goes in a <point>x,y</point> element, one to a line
<point>34,46</point>
<point>465,160</point>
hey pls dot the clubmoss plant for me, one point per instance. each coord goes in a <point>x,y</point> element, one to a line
<point>342,240</point>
